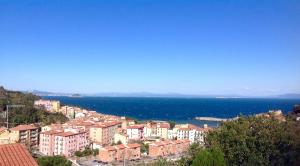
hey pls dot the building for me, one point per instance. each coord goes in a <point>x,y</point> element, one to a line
<point>5,136</point>
<point>51,127</point>
<point>121,137</point>
<point>104,133</point>
<point>49,105</point>
<point>135,132</point>
<point>26,134</point>
<point>62,142</point>
<point>192,132</point>
<point>157,129</point>
<point>165,148</point>
<point>15,154</point>
<point>68,111</point>
<point>162,130</point>
<point>120,152</point>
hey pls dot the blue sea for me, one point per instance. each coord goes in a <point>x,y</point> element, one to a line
<point>181,110</point>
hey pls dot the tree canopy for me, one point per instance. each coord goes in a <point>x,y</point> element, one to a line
<point>257,141</point>
<point>54,161</point>
<point>28,113</point>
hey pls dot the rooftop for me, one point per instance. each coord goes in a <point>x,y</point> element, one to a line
<point>135,127</point>
<point>24,127</point>
<point>15,154</point>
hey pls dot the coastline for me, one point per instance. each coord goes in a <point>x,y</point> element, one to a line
<point>178,110</point>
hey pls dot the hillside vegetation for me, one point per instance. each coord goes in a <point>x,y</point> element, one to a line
<point>27,114</point>
<point>248,141</point>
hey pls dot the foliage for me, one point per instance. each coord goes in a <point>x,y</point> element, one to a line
<point>144,148</point>
<point>209,157</point>
<point>54,161</point>
<point>86,152</point>
<point>162,162</point>
<point>172,124</point>
<point>257,141</point>
<point>95,152</point>
<point>26,114</point>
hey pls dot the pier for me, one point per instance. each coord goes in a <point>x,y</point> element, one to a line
<point>213,119</point>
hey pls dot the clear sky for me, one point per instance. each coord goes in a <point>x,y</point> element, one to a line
<point>249,47</point>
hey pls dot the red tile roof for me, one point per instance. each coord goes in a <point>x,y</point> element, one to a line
<point>134,145</point>
<point>24,127</point>
<point>135,127</point>
<point>121,146</point>
<point>15,155</point>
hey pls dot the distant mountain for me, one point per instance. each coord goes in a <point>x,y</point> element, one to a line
<point>45,93</point>
<point>148,94</point>
<point>289,96</point>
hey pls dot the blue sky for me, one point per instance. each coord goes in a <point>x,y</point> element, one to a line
<point>184,46</point>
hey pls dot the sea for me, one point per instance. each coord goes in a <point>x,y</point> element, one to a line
<point>180,110</point>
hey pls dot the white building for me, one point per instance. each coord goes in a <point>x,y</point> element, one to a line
<point>135,132</point>
<point>192,132</point>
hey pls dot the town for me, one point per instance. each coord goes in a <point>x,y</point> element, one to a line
<point>110,139</point>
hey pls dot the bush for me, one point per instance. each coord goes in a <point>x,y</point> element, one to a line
<point>54,161</point>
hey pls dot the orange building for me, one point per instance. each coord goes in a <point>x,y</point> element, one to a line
<point>165,148</point>
<point>120,152</point>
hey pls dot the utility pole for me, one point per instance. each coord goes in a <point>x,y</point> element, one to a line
<point>11,106</point>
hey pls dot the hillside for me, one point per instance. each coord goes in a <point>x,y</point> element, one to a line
<point>27,114</point>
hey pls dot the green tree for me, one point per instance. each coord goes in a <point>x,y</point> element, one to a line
<point>257,141</point>
<point>209,157</point>
<point>54,161</point>
<point>144,148</point>
<point>78,154</point>
<point>172,124</point>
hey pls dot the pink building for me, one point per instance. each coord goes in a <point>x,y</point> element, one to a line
<point>62,142</point>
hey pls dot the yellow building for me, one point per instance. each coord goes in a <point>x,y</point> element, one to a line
<point>55,106</point>
<point>96,133</point>
<point>7,137</point>
<point>25,134</point>
<point>104,133</point>
<point>121,137</point>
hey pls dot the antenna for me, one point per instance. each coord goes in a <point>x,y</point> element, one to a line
<point>11,106</point>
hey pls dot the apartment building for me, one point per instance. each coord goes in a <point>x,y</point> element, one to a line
<point>157,129</point>
<point>192,132</point>
<point>165,148</point>
<point>135,132</point>
<point>104,133</point>
<point>162,130</point>
<point>49,105</point>
<point>120,152</point>
<point>26,134</point>
<point>62,142</point>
